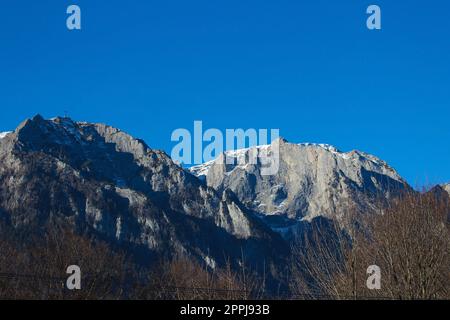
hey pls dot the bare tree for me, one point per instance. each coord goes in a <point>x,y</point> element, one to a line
<point>409,240</point>
<point>185,279</point>
<point>37,269</point>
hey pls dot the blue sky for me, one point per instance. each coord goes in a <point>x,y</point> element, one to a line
<point>310,68</point>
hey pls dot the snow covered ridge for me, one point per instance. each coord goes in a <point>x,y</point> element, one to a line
<point>312,180</point>
<point>202,170</point>
<point>4,134</point>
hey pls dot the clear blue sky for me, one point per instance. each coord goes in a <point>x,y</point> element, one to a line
<point>310,68</point>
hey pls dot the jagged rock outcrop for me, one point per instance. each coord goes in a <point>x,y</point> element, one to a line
<point>100,180</point>
<point>313,180</point>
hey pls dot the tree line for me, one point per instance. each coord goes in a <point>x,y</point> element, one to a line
<point>409,240</point>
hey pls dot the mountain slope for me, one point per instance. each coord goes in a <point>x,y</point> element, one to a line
<point>99,180</point>
<point>313,180</point>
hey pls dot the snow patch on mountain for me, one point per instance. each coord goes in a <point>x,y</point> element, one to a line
<point>201,171</point>
<point>4,134</point>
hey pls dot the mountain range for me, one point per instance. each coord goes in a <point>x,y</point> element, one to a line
<point>98,180</point>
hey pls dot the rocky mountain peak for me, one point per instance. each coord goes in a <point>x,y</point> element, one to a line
<point>99,180</point>
<point>312,180</point>
<point>65,131</point>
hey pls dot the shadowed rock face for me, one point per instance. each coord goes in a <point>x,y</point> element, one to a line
<point>312,180</point>
<point>100,180</point>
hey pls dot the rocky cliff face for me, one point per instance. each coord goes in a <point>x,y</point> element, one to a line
<point>313,180</point>
<point>100,180</point>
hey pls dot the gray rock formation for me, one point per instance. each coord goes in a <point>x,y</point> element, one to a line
<point>100,180</point>
<point>313,180</point>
